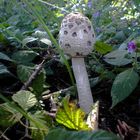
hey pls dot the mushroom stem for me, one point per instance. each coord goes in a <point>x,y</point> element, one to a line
<point>83,86</point>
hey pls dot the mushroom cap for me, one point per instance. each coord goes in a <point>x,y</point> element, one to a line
<point>76,36</point>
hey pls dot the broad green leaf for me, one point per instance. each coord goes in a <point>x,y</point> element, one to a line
<point>120,36</point>
<point>61,134</point>
<point>102,47</point>
<point>38,83</point>
<point>8,115</point>
<point>46,41</point>
<point>123,85</point>
<point>28,39</point>
<point>24,57</point>
<point>25,99</point>
<point>44,122</point>
<point>4,57</point>
<point>24,72</point>
<point>71,117</point>
<point>117,58</point>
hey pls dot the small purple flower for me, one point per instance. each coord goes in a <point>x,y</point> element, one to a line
<point>96,15</point>
<point>131,47</point>
<point>89,4</point>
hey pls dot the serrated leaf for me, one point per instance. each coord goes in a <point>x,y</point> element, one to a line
<point>123,85</point>
<point>44,120</point>
<point>25,99</point>
<point>117,58</point>
<point>4,57</point>
<point>46,41</point>
<point>24,72</point>
<point>61,134</point>
<point>24,57</point>
<point>38,83</point>
<point>70,116</point>
<point>28,39</point>
<point>8,115</point>
<point>102,47</point>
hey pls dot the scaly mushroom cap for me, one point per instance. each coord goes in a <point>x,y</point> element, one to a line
<point>76,36</point>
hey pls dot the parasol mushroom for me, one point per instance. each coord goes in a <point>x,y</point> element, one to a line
<point>76,37</point>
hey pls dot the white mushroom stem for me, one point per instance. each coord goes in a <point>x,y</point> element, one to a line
<point>83,86</point>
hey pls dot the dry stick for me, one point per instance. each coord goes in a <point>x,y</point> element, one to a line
<point>4,136</point>
<point>33,75</point>
<point>29,82</point>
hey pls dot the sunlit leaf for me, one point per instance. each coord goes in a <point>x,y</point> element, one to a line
<point>70,116</point>
<point>124,84</point>
<point>102,47</point>
<point>46,41</point>
<point>25,99</point>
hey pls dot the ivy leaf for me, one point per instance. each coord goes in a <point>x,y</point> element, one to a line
<point>61,134</point>
<point>123,85</point>
<point>8,115</point>
<point>70,116</point>
<point>25,99</point>
<point>102,47</point>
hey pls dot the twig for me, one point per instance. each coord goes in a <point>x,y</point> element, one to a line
<point>33,75</point>
<point>4,136</point>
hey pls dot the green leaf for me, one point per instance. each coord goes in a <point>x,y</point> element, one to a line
<point>8,115</point>
<point>71,117</point>
<point>4,57</point>
<point>25,99</point>
<point>61,134</point>
<point>24,57</point>
<point>44,121</point>
<point>38,83</point>
<point>24,72</point>
<point>123,85</point>
<point>102,47</point>
<point>46,41</point>
<point>4,71</point>
<point>28,40</point>
<point>117,58</point>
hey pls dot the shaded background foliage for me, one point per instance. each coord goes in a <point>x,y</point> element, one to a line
<point>24,44</point>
